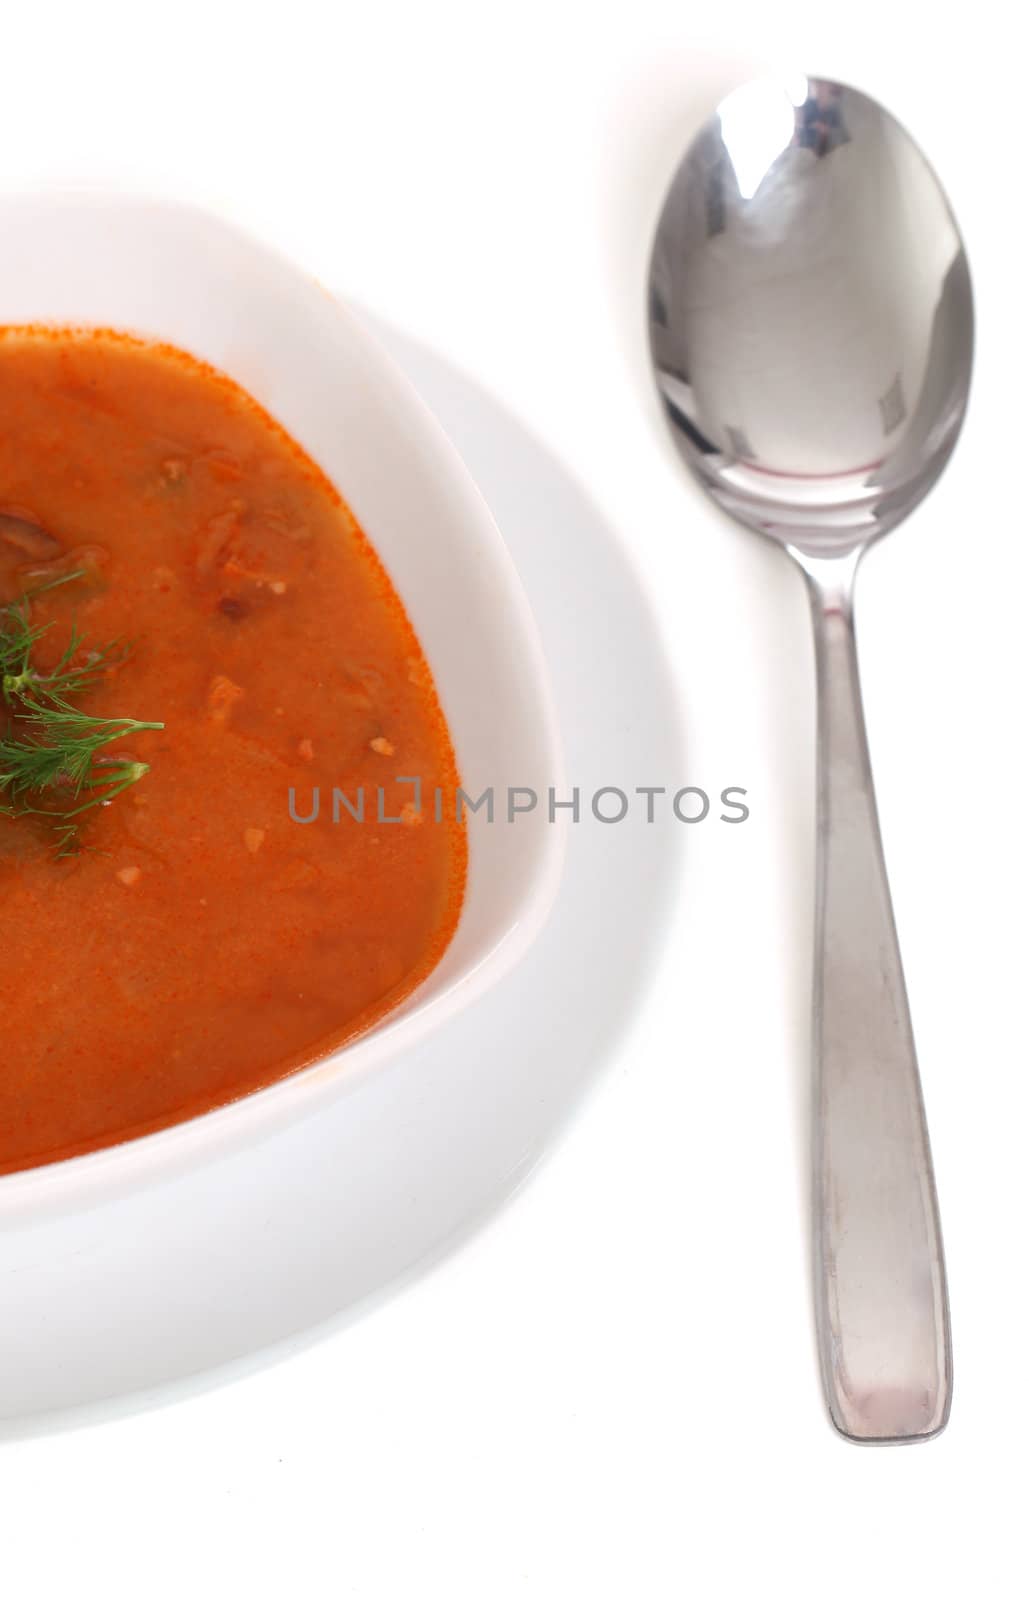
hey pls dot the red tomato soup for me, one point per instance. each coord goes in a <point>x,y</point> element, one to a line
<point>169,554</point>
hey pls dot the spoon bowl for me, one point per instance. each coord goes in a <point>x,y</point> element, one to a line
<point>811,315</point>
<point>811,329</point>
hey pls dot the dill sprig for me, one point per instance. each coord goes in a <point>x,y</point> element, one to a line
<point>52,760</point>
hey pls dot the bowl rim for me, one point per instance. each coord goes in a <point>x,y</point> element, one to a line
<point>147,1158</point>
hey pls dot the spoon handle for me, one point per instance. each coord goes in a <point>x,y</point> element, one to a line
<point>880,1288</point>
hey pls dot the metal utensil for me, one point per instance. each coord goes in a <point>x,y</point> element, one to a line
<point>811,330</point>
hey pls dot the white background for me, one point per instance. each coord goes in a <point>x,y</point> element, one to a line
<point>611,1390</point>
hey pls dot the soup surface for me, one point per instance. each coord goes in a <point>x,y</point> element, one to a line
<point>195,941</point>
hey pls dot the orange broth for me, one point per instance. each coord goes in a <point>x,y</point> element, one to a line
<point>201,943</point>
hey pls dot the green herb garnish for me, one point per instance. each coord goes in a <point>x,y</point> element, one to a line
<point>52,760</point>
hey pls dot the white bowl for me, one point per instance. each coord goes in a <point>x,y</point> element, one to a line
<point>173,273</point>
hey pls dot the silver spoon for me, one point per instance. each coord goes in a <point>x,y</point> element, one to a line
<point>811,331</point>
